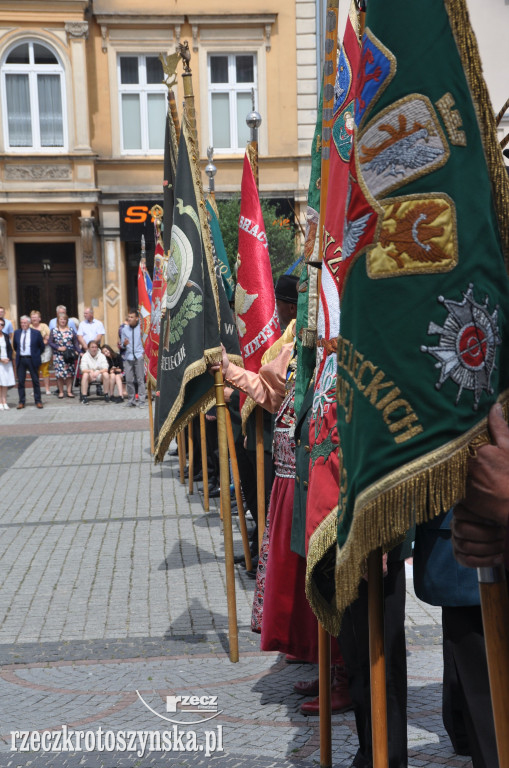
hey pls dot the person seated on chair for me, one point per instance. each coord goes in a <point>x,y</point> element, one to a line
<point>94,368</point>
<point>116,374</point>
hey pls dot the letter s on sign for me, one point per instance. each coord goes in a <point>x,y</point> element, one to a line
<point>136,214</point>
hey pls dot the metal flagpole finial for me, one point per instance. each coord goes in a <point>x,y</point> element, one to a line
<point>143,246</point>
<point>185,54</point>
<point>210,169</point>
<point>254,119</point>
<point>169,64</point>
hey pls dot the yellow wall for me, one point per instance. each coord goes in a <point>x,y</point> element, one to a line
<point>98,176</point>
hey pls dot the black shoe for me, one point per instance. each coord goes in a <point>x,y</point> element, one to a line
<point>239,560</point>
<point>251,574</point>
<point>118,399</point>
<point>198,476</point>
<point>106,398</point>
<point>99,390</point>
<point>214,493</point>
<point>84,400</point>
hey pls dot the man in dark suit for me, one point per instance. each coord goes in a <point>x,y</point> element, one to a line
<point>28,345</point>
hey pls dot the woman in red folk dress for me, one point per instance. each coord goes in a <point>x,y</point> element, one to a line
<point>280,609</point>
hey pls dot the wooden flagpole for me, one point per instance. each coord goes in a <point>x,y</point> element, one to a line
<point>238,492</point>
<point>204,467</point>
<point>377,660</point>
<point>190,450</point>
<point>150,415</point>
<point>224,481</point>
<point>324,697</point>
<point>329,80</point>
<point>260,475</point>
<point>376,625</point>
<point>181,445</point>
<point>495,616</point>
<point>224,467</point>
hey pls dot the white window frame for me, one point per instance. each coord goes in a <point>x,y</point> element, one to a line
<point>232,88</point>
<point>33,70</point>
<point>143,89</point>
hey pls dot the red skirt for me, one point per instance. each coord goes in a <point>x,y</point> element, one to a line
<point>288,624</point>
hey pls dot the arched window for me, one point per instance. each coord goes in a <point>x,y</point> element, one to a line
<point>32,85</point>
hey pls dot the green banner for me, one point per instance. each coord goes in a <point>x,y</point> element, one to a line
<point>423,350</point>
<point>307,304</point>
<point>220,252</point>
<point>192,304</point>
<point>170,170</point>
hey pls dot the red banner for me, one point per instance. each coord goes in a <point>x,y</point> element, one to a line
<point>144,299</point>
<point>324,466</point>
<point>158,290</point>
<point>255,303</point>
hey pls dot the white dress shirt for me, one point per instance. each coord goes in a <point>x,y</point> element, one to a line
<point>25,343</point>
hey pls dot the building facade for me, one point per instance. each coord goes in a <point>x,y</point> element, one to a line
<point>82,126</point>
<point>81,135</point>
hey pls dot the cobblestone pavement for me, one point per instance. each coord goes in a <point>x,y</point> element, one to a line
<point>113,591</point>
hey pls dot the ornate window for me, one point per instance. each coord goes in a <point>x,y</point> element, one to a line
<point>232,81</point>
<point>142,95</point>
<point>33,98</point>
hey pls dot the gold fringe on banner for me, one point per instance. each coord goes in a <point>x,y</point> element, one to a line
<point>320,562</point>
<point>171,426</point>
<point>246,411</point>
<point>413,494</point>
<point>471,60</point>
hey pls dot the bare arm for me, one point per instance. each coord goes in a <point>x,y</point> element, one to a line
<point>267,388</point>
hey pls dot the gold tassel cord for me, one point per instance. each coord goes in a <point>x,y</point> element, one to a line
<point>322,546</point>
<point>502,112</point>
<point>471,60</point>
<point>202,211</point>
